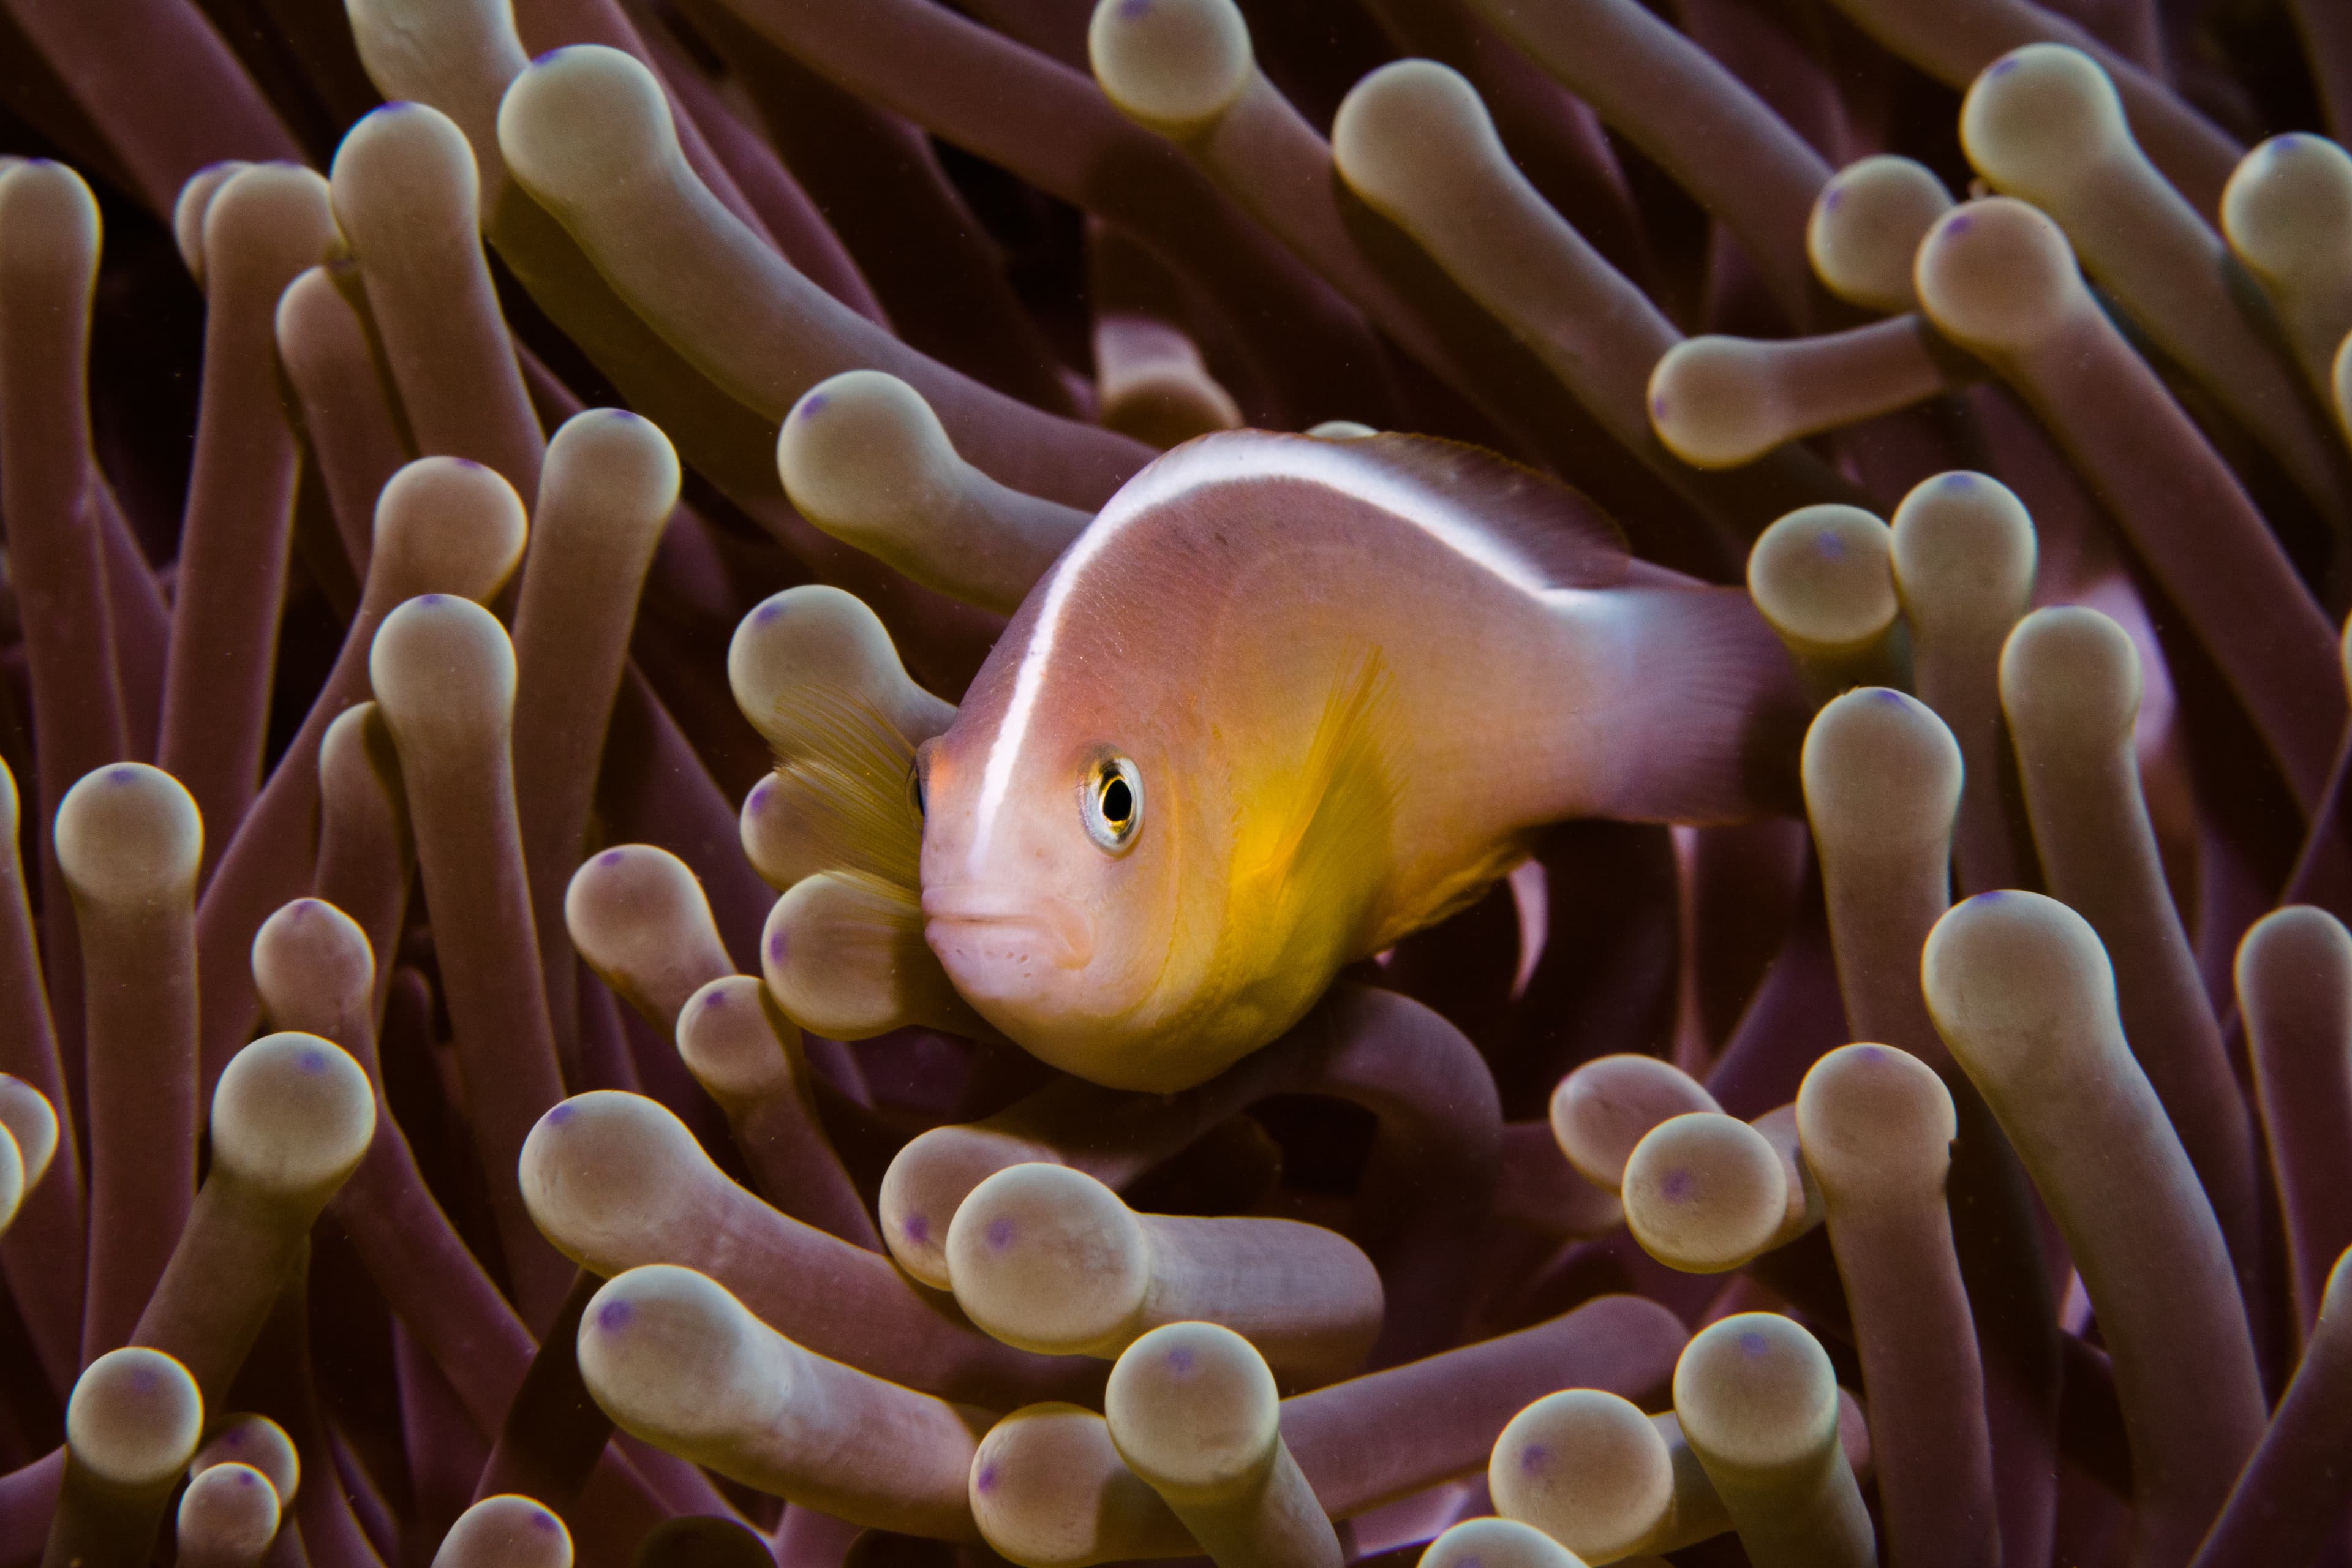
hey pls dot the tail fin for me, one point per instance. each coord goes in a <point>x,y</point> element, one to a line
<point>1708,716</point>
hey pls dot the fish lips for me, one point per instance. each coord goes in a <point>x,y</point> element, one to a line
<point>986,937</point>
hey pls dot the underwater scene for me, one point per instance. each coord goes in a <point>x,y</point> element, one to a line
<point>926,783</point>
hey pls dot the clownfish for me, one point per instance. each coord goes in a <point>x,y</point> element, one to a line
<point>1285,700</point>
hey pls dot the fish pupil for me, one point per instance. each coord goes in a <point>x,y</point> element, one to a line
<point>1118,801</point>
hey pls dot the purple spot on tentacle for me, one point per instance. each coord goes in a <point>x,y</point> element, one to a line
<point>123,774</point>
<point>1677,1186</point>
<point>560,1115</point>
<point>1534,1457</point>
<point>431,599</point>
<point>1830,545</point>
<point>1831,197</point>
<point>814,404</point>
<point>1180,1360</point>
<point>312,1061</point>
<point>1887,694</point>
<point>1961,479</point>
<point>613,1316</point>
<point>1754,1343</point>
<point>611,857</point>
<point>769,612</point>
<point>986,1480</point>
<point>1960,225</point>
<point>1129,10</point>
<point>916,1227</point>
<point>1657,408</point>
<point>999,1232</point>
<point>545,1523</point>
<point>777,947</point>
<point>2002,65</point>
<point>714,1000</point>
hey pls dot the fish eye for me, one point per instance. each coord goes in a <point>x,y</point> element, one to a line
<point>1111,803</point>
<point>916,768</point>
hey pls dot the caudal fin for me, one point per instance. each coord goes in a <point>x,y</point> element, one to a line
<point>1706,718</point>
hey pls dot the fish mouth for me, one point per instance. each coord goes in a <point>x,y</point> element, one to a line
<point>1055,928</point>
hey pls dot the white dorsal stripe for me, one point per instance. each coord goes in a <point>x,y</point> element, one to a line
<point>1231,458</point>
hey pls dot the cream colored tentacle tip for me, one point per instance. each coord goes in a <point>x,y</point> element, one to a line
<point>1497,1543</point>
<point>2339,385</point>
<point>195,199</point>
<point>29,1140</point>
<point>1705,1193</point>
<point>1881,771</point>
<point>639,917</point>
<point>1883,776</point>
<point>929,1180</point>
<point>129,841</point>
<point>259,1443</point>
<point>446,525</point>
<point>1877,1126</point>
<point>131,1426</point>
<point>1050,1259</point>
<point>443,673</point>
<point>864,457</point>
<point>844,955</point>
<point>227,1518</point>
<point>1758,1404</point>
<point>1964,553</point>
<point>676,1360</point>
<point>1591,1472</point>
<point>1866,225</point>
<point>291,1119</point>
<point>1174,65</point>
<point>822,638</point>
<point>1340,430</point>
<point>731,1047</point>
<point>315,972</point>
<point>1606,1107</point>
<point>1194,1410</point>
<point>506,1531</point>
<point>1720,402</point>
<point>1049,1490</point>
<point>1998,275</point>
<point>2287,213</point>
<point>1823,577</point>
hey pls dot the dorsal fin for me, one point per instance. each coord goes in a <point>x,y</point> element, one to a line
<point>1572,542</point>
<point>1529,530</point>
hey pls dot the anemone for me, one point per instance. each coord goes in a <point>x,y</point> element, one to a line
<point>508,506</point>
